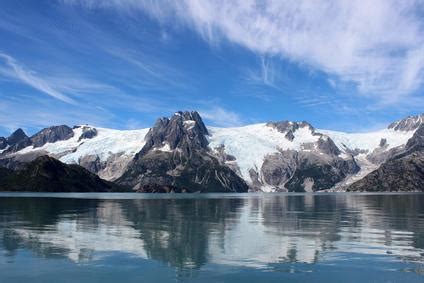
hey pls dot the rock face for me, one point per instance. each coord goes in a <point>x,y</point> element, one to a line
<point>176,155</point>
<point>51,135</point>
<point>408,124</point>
<point>276,170</point>
<point>327,146</point>
<point>295,171</point>
<point>416,143</point>
<point>87,133</point>
<point>46,174</point>
<point>289,127</point>
<point>402,172</point>
<point>319,172</point>
<point>398,174</point>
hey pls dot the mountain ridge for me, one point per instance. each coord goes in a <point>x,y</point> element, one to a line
<point>273,156</point>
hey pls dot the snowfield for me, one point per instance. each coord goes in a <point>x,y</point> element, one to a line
<point>368,141</point>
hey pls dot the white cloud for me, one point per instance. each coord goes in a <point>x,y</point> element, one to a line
<point>221,117</point>
<point>375,44</point>
<point>30,78</point>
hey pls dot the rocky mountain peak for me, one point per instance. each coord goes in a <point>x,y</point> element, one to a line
<point>184,130</point>
<point>17,141</point>
<point>51,135</point>
<point>16,137</point>
<point>289,127</point>
<point>177,157</point>
<point>327,146</point>
<point>87,133</point>
<point>410,123</point>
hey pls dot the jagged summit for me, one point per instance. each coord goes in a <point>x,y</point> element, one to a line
<point>176,156</point>
<point>17,141</point>
<point>409,123</point>
<point>51,135</point>
<point>289,127</point>
<point>184,131</point>
<point>16,137</point>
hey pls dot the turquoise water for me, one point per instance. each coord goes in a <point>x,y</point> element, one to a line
<point>211,238</point>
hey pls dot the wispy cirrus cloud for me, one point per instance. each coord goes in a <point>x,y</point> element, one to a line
<point>265,75</point>
<point>156,74</point>
<point>219,116</point>
<point>15,70</point>
<point>377,45</point>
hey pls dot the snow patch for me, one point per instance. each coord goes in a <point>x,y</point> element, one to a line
<point>165,148</point>
<point>189,124</point>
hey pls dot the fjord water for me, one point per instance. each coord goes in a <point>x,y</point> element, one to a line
<point>211,238</point>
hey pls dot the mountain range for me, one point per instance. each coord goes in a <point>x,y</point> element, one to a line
<point>180,154</point>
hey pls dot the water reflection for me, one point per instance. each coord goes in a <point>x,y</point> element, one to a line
<point>260,232</point>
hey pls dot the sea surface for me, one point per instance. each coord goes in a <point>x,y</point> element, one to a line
<point>104,238</point>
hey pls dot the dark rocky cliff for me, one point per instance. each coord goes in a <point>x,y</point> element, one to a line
<point>46,174</point>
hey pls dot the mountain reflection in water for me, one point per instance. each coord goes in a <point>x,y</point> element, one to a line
<point>221,235</point>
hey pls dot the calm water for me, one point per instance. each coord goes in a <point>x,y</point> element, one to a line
<point>211,238</point>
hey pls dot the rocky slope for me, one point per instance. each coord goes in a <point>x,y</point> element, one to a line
<point>274,156</point>
<point>46,174</point>
<point>176,155</point>
<point>401,172</point>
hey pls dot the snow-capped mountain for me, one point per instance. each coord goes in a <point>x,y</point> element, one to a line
<point>176,157</point>
<point>274,156</point>
<point>105,152</point>
<point>270,156</point>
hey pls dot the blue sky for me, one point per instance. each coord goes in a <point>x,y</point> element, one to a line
<point>342,65</point>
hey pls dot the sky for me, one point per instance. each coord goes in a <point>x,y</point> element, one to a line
<point>348,65</point>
